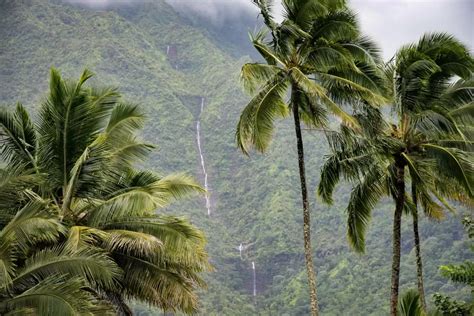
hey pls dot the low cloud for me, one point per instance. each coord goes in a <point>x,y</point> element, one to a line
<point>216,10</point>
<point>395,23</point>
<point>391,23</point>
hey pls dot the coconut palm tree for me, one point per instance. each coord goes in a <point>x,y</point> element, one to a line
<point>422,138</point>
<point>40,276</point>
<point>80,158</point>
<point>317,56</point>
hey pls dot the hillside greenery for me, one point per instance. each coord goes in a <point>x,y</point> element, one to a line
<point>254,199</point>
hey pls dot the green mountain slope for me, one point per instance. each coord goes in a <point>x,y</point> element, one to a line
<point>166,64</point>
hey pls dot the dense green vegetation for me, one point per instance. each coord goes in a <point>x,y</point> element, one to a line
<point>80,228</point>
<point>253,199</point>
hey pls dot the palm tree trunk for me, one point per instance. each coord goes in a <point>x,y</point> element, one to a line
<point>306,214</point>
<point>419,265</point>
<point>399,203</point>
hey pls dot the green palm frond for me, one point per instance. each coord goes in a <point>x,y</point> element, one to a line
<point>270,56</point>
<point>365,195</point>
<point>312,113</point>
<point>88,263</point>
<point>141,197</point>
<point>364,50</point>
<point>254,76</point>
<point>463,273</point>
<point>409,304</point>
<point>181,241</point>
<point>255,127</point>
<point>158,285</point>
<point>125,119</point>
<point>17,137</point>
<point>133,243</point>
<point>464,114</point>
<point>330,174</point>
<point>14,182</point>
<point>35,223</point>
<point>338,82</point>
<point>265,7</point>
<point>83,236</point>
<point>303,13</point>
<point>78,115</point>
<point>55,296</point>
<point>336,26</point>
<point>455,164</point>
<point>327,56</point>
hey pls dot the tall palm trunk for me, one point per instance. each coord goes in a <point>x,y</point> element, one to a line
<point>306,214</point>
<point>419,265</point>
<point>399,203</point>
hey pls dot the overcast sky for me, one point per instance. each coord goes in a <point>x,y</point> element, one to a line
<point>391,23</point>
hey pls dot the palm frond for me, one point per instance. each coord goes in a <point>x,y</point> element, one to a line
<point>265,7</point>
<point>17,137</point>
<point>365,195</point>
<point>409,304</point>
<point>255,127</point>
<point>454,164</point>
<point>181,241</point>
<point>254,76</point>
<point>143,195</point>
<point>88,263</point>
<point>79,115</point>
<point>463,273</point>
<point>57,295</point>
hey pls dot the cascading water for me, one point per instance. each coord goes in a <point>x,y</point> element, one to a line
<point>167,50</point>
<point>254,279</point>
<point>203,166</point>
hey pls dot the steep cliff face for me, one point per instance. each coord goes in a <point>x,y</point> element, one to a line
<point>169,64</point>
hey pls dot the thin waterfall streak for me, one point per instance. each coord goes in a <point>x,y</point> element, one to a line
<point>167,50</point>
<point>254,279</point>
<point>201,155</point>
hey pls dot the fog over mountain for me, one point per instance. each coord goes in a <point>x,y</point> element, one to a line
<point>391,23</point>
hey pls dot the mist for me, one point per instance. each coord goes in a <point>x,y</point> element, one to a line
<point>391,23</point>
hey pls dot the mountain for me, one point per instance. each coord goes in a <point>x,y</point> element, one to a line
<point>171,64</point>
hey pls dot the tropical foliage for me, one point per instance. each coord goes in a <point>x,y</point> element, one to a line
<point>255,198</point>
<point>464,274</point>
<point>318,55</point>
<point>422,142</point>
<point>80,230</point>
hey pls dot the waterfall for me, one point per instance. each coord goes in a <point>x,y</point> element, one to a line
<point>203,166</point>
<point>167,50</point>
<point>254,279</point>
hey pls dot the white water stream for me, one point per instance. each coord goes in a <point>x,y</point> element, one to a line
<point>203,165</point>
<point>254,280</point>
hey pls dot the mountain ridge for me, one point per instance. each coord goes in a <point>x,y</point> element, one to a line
<point>255,199</point>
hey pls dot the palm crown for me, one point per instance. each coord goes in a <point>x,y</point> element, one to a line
<point>72,191</point>
<point>317,55</point>
<point>425,135</point>
<point>318,51</point>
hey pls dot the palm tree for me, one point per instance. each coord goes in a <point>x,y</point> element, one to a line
<point>409,304</point>
<point>79,158</point>
<point>459,95</point>
<point>424,139</point>
<point>317,55</point>
<point>40,276</point>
